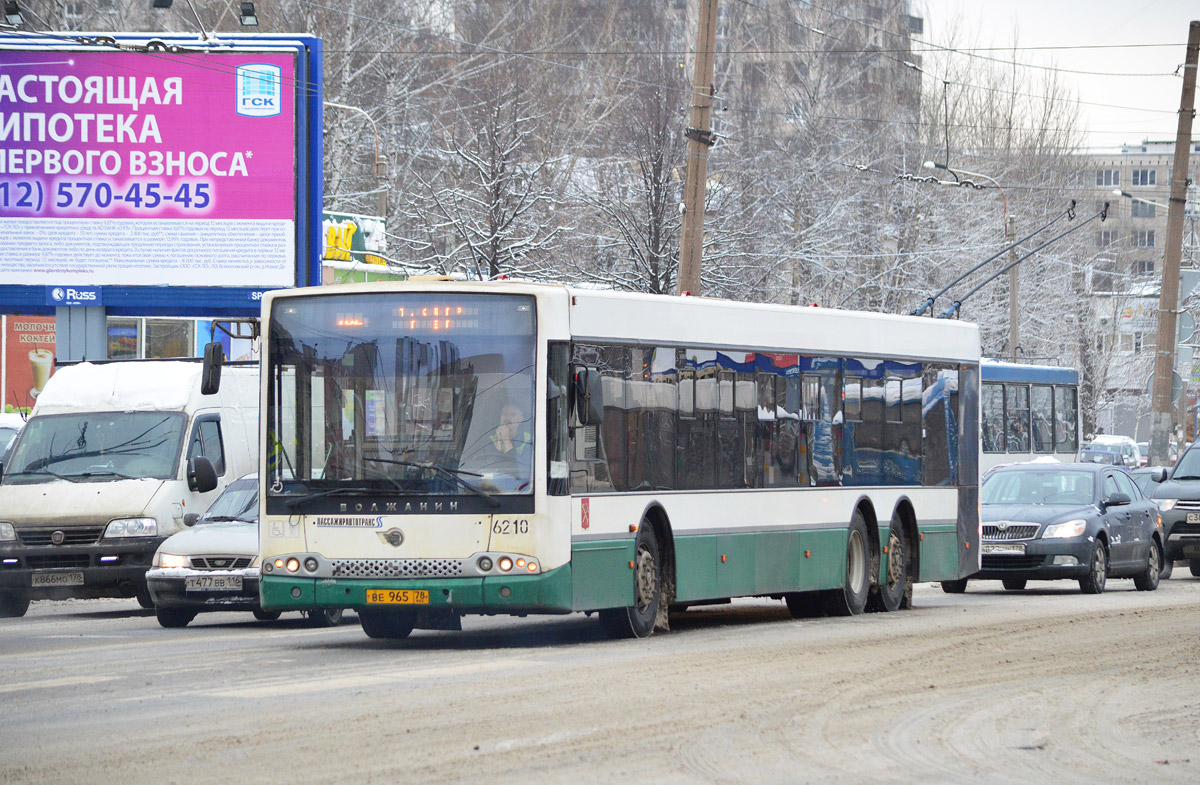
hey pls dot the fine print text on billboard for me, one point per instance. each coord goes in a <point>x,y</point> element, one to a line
<point>147,168</point>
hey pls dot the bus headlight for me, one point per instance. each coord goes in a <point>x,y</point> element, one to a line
<point>505,564</point>
<point>293,564</point>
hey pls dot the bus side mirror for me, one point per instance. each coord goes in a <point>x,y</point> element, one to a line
<point>201,476</point>
<point>210,378</point>
<point>589,395</point>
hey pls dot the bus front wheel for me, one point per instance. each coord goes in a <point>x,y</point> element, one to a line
<point>637,621</point>
<point>387,624</point>
<point>852,597</point>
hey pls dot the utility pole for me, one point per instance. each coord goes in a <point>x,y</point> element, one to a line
<point>1168,301</point>
<point>1014,336</point>
<point>700,138</point>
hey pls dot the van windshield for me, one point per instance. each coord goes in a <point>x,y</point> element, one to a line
<point>97,447</point>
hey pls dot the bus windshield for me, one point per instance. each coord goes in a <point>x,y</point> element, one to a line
<point>427,394</point>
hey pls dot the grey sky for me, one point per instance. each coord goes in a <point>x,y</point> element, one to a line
<point>1110,24</point>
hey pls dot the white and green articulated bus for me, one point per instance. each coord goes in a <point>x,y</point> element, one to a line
<point>433,449</point>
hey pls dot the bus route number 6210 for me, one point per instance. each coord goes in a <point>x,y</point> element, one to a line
<point>510,526</point>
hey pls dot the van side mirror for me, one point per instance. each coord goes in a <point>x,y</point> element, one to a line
<point>201,476</point>
<point>210,378</point>
<point>191,518</point>
<point>589,395</point>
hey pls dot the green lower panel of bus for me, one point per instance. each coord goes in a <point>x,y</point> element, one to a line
<point>713,566</point>
<point>546,593</point>
<point>939,553</point>
<point>708,566</point>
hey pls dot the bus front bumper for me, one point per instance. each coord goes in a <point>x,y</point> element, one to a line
<point>549,592</point>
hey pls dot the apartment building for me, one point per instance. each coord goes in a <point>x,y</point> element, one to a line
<point>1125,275</point>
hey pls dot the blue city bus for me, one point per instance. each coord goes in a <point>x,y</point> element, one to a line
<point>1027,412</point>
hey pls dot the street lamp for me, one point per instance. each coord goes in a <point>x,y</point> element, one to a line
<point>12,13</point>
<point>380,161</point>
<point>1009,232</point>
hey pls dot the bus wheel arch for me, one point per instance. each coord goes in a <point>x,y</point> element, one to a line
<point>651,601</point>
<point>660,524</point>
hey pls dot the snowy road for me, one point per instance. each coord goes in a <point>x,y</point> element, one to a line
<point>986,687</point>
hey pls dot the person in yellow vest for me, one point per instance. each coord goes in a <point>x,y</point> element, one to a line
<point>513,445</point>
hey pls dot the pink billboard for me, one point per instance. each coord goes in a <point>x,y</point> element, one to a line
<point>147,168</point>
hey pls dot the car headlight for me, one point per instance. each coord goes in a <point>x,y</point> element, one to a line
<point>257,562</point>
<point>7,532</point>
<point>171,560</point>
<point>1166,504</point>
<point>132,527</point>
<point>1062,530</point>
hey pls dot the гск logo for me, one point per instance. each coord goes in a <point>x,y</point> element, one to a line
<point>259,90</point>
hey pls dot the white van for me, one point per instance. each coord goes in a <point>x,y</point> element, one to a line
<point>114,455</point>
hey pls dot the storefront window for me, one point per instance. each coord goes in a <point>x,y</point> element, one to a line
<point>135,338</point>
<point>170,338</point>
<point>123,343</point>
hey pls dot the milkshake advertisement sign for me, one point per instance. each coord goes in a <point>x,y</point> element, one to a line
<point>126,168</point>
<point>28,359</point>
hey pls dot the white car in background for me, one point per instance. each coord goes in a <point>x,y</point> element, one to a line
<point>214,564</point>
<point>10,425</point>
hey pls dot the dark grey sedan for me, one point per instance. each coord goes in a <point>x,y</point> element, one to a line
<point>1085,522</point>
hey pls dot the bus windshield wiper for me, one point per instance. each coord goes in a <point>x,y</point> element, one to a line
<point>454,475</point>
<point>349,490</point>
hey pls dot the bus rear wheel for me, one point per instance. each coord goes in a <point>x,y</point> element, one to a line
<point>851,599</point>
<point>637,621</point>
<point>387,624</point>
<point>896,590</point>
